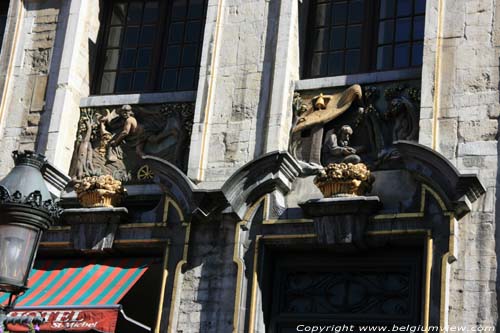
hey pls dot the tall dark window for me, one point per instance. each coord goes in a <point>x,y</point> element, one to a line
<point>4,8</point>
<point>354,36</point>
<point>151,46</point>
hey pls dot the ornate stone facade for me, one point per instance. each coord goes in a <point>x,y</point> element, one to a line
<point>221,180</point>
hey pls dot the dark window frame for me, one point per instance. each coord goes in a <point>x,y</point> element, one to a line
<point>369,39</point>
<point>158,49</point>
<point>4,12</point>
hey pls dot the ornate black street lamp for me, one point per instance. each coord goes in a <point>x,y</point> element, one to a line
<point>26,210</point>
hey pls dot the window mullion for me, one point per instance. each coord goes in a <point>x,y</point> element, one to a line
<point>159,47</point>
<point>101,54</point>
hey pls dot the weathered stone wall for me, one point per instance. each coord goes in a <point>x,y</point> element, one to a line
<point>459,118</point>
<point>70,79</point>
<point>237,120</point>
<point>25,98</point>
<point>234,110</point>
<point>208,288</point>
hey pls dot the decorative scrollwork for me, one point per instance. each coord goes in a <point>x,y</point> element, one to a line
<point>33,200</point>
<point>338,293</point>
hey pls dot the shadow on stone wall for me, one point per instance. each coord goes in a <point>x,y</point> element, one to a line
<point>207,300</point>
<point>267,79</point>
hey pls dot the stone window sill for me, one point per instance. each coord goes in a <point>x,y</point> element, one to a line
<point>364,78</point>
<point>145,98</point>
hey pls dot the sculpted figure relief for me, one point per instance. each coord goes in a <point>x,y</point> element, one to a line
<point>83,156</point>
<point>131,131</point>
<point>340,137</point>
<point>336,148</point>
<point>308,142</point>
<point>113,142</point>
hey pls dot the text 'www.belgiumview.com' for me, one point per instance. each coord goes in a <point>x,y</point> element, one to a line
<point>390,328</point>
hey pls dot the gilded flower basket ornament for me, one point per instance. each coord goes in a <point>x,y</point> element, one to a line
<point>344,179</point>
<point>99,191</point>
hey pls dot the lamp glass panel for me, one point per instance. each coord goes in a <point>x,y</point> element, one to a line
<point>17,244</point>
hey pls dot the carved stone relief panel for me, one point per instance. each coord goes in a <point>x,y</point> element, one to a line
<point>113,140</point>
<point>354,124</point>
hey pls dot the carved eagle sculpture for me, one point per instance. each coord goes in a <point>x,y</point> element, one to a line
<point>335,105</point>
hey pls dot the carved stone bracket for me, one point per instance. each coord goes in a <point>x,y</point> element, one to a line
<point>341,220</point>
<point>273,171</point>
<point>94,228</point>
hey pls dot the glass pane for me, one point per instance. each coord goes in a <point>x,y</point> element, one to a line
<point>320,40</point>
<point>337,38</point>
<point>169,80</point>
<point>134,13</point>
<point>419,6</point>
<point>3,22</point>
<point>128,58</point>
<point>193,31</point>
<point>321,17</point>
<point>178,9</point>
<point>339,13</point>
<point>386,32</point>
<point>319,63</point>
<point>403,29</point>
<point>148,35</point>
<point>115,34</point>
<point>336,63</point>
<point>352,59</point>
<point>189,55</point>
<point>123,82</point>
<point>144,58</point>
<point>387,8</point>
<point>118,16</point>
<point>16,246</point>
<point>353,39</point>
<point>176,33</point>
<point>404,7</point>
<point>384,57</point>
<point>356,11</point>
<point>131,36</point>
<point>418,27</point>
<point>140,79</point>
<point>111,61</point>
<point>186,79</point>
<point>173,56</point>
<point>196,8</point>
<point>402,56</point>
<point>417,54</point>
<point>108,83</point>
<point>150,12</point>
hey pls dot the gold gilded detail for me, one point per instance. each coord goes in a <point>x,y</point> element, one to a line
<point>99,191</point>
<point>344,179</point>
<point>145,173</point>
<point>326,108</point>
